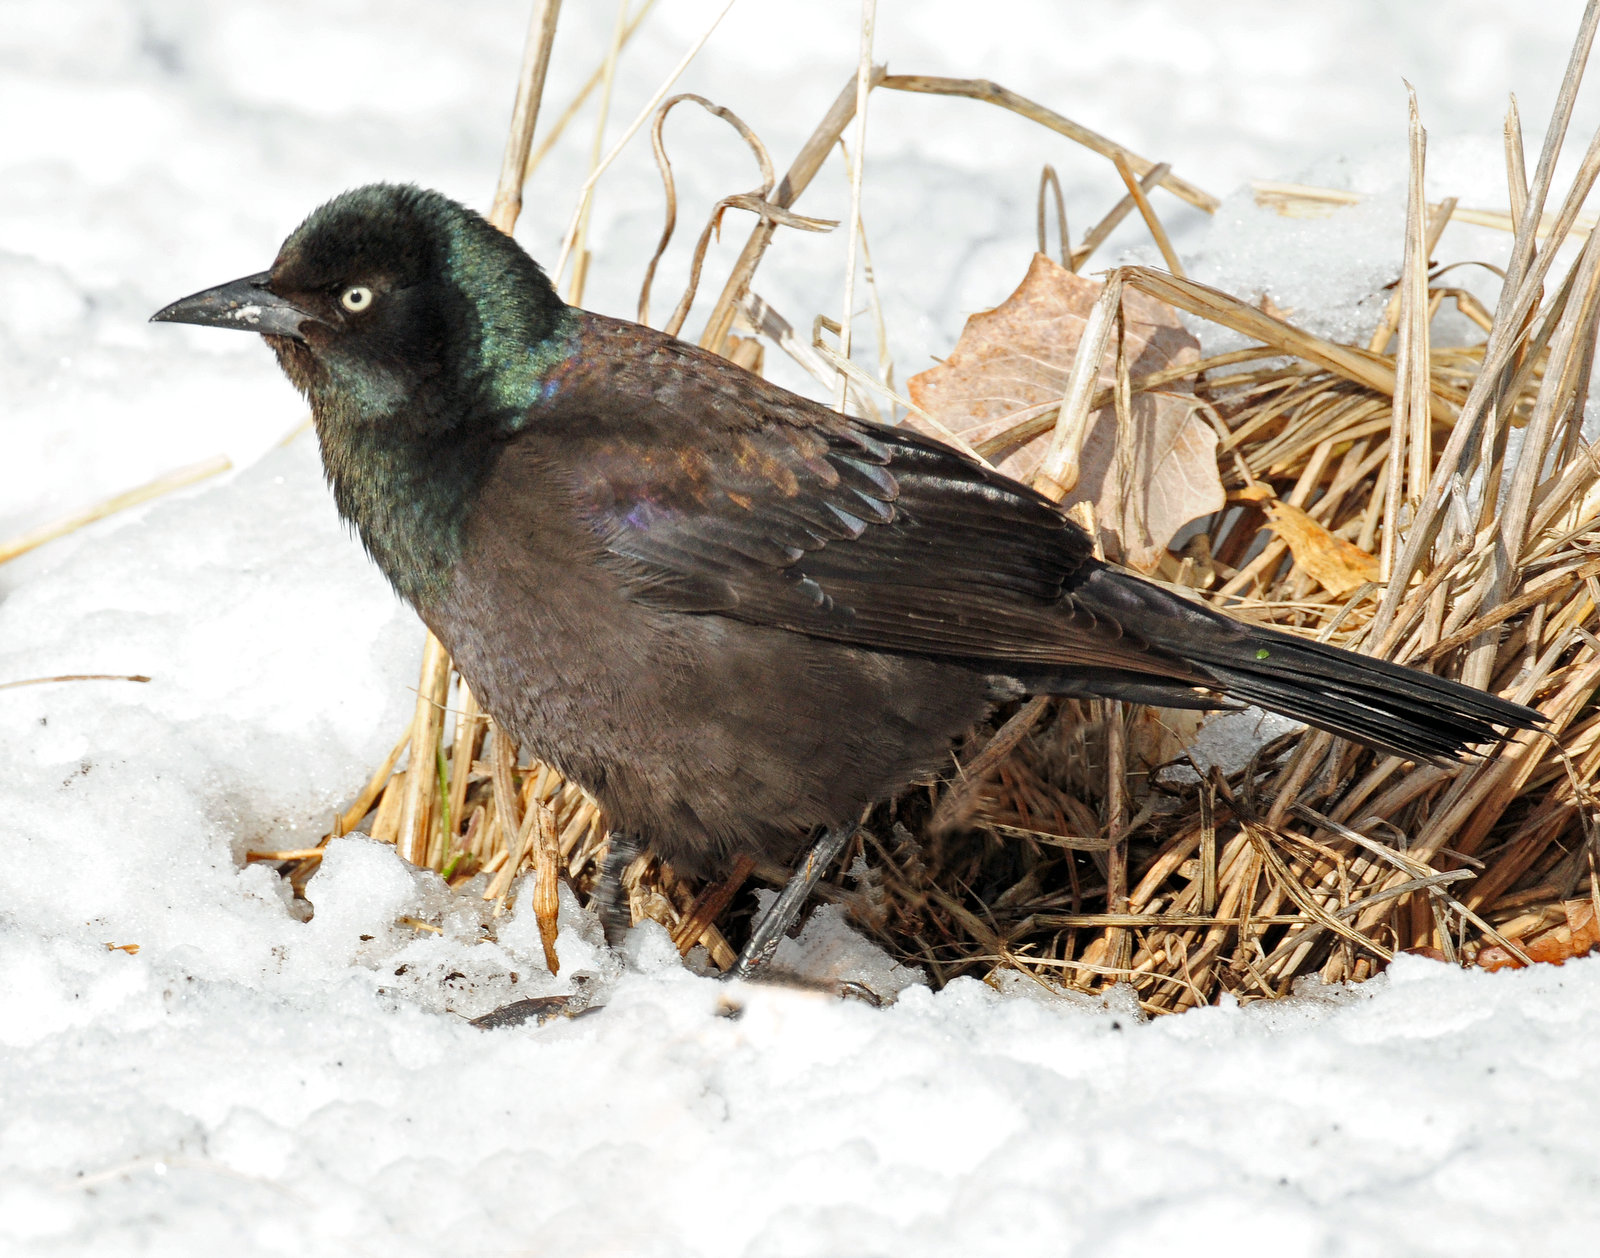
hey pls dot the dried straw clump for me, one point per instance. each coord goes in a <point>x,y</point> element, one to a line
<point>1372,503</point>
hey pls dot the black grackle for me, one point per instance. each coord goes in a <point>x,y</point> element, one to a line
<point>730,613</point>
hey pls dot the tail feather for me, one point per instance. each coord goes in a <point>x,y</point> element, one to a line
<point>1384,705</point>
<point>1372,701</point>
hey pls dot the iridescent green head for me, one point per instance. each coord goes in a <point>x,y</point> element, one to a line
<point>420,305</point>
<point>393,302</point>
<point>421,335</point>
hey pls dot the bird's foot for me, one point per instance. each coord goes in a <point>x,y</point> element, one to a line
<point>609,900</point>
<point>781,914</point>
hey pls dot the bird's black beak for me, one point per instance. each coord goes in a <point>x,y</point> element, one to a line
<point>247,304</point>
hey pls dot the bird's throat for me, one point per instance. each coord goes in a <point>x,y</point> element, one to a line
<point>402,478</point>
<point>407,495</point>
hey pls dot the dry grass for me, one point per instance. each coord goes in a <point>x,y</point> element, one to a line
<point>1060,845</point>
<point>179,479</point>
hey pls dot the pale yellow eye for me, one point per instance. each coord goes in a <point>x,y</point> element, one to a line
<point>356,298</point>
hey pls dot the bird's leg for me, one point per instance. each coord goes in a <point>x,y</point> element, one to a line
<point>607,899</point>
<point>776,921</point>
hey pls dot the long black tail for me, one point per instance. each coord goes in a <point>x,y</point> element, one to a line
<point>1383,705</point>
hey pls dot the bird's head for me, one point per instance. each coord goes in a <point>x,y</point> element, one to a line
<point>392,304</point>
<point>421,334</point>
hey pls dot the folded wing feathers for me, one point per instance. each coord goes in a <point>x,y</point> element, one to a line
<point>825,525</point>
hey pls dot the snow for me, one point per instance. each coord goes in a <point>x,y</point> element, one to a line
<point>253,1083</point>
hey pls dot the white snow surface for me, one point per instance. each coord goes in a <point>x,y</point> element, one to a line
<point>253,1083</point>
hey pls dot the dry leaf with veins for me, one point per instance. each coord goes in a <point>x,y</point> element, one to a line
<point>1019,355</point>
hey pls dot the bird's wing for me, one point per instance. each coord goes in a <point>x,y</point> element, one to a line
<point>725,494</point>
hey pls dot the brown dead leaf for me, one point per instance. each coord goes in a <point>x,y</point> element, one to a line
<point>1493,957</point>
<point>1582,923</point>
<point>1019,355</point>
<point>1339,566</point>
<point>1579,937</point>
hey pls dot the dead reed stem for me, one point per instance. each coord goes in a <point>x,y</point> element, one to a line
<point>565,117</point>
<point>869,10</point>
<point>180,479</point>
<point>799,176</point>
<point>1148,213</point>
<point>61,677</point>
<point>598,169</point>
<point>507,203</point>
<point>994,94</point>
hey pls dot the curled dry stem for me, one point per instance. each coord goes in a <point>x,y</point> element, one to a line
<point>1048,182</point>
<point>756,201</point>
